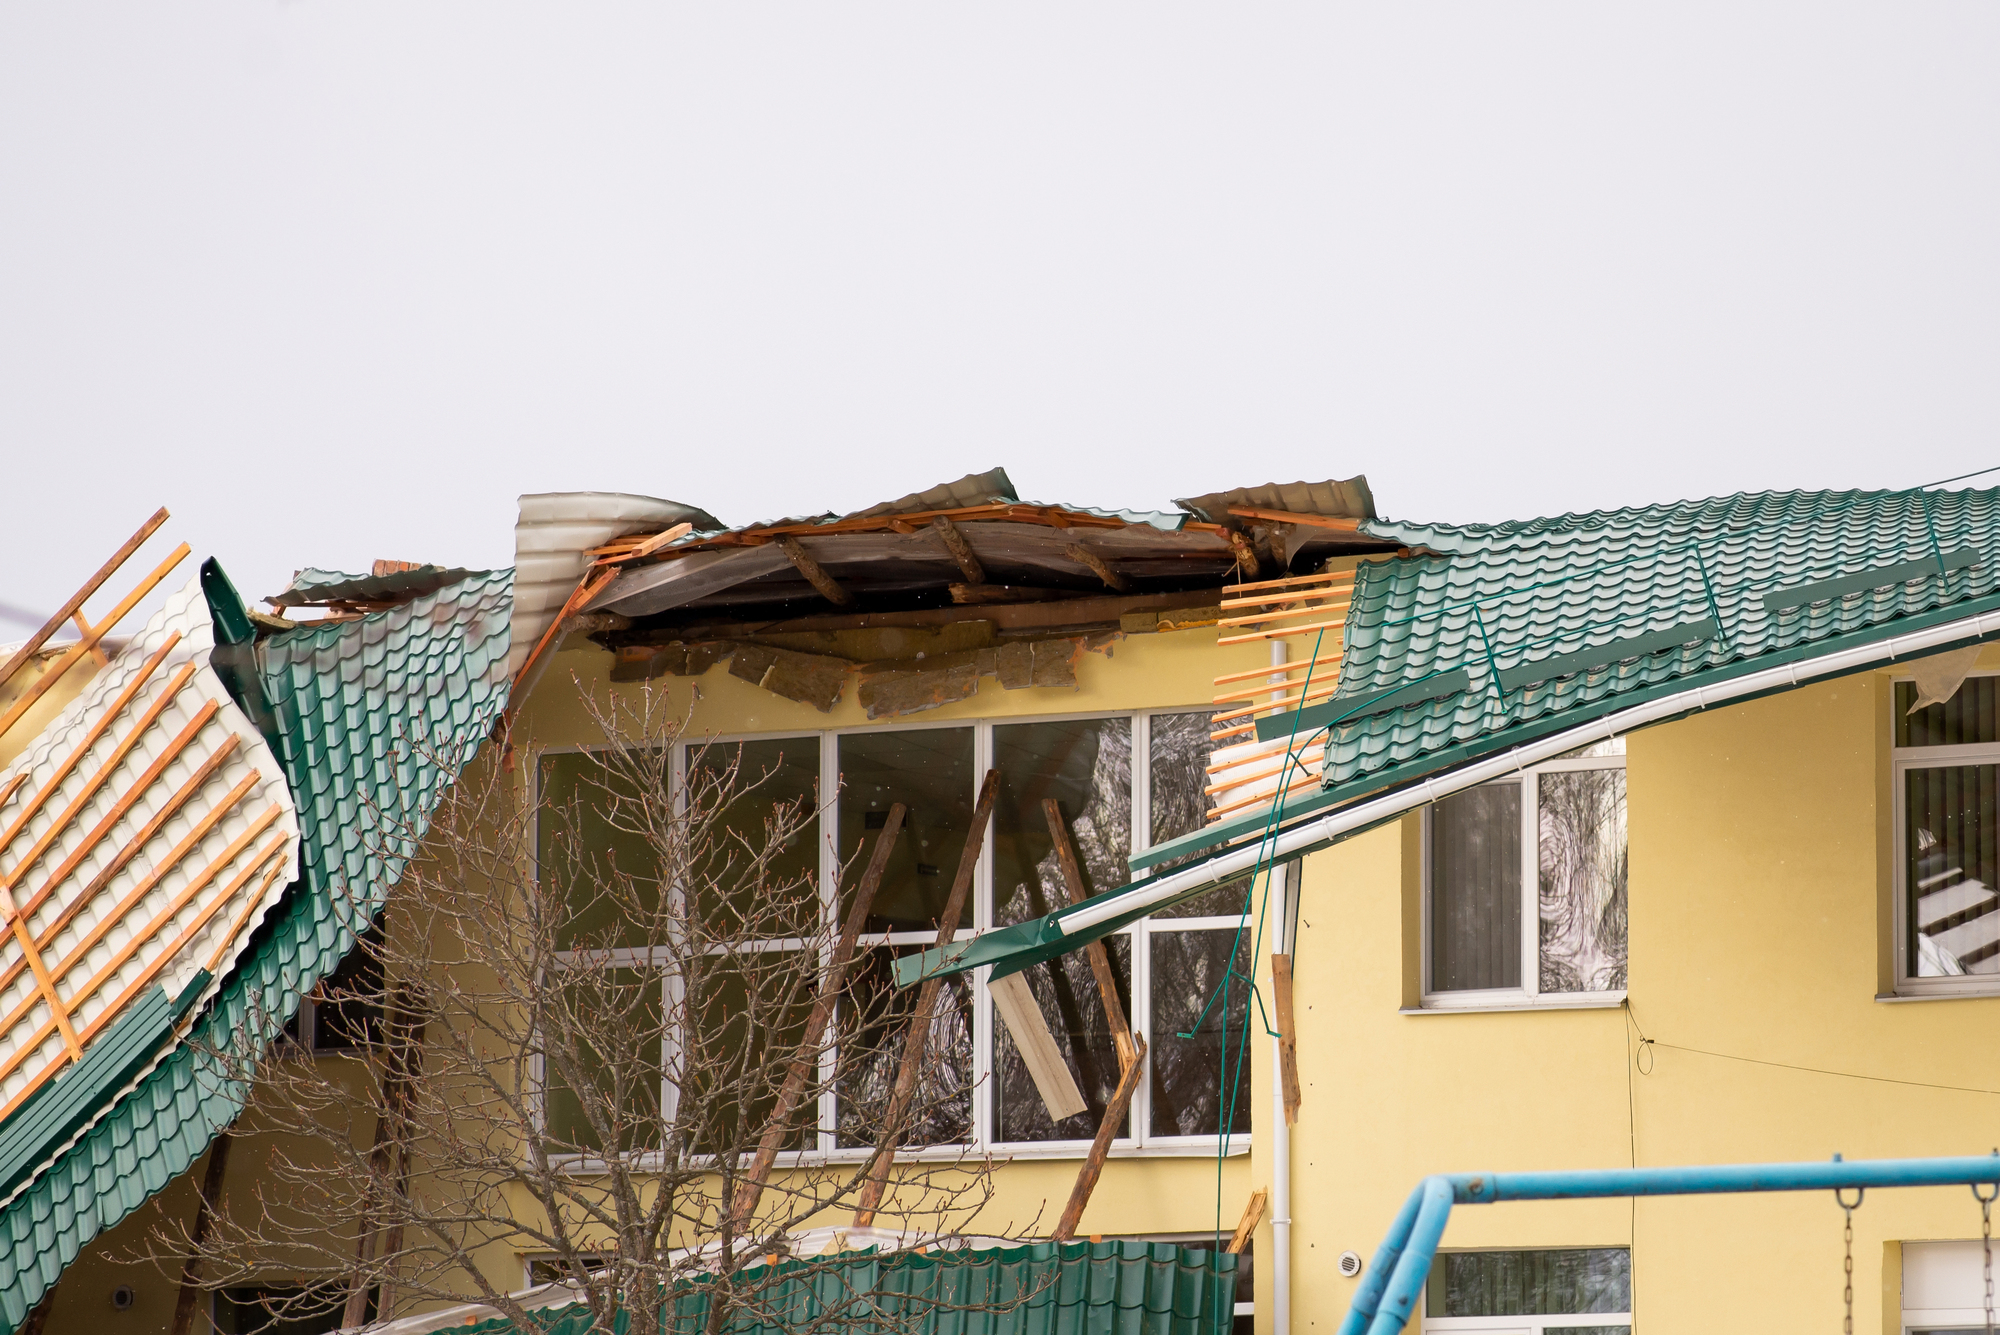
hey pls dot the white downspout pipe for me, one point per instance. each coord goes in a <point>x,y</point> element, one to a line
<point>1281,1131</point>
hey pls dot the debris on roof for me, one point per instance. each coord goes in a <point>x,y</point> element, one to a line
<point>670,596</point>
<point>388,584</point>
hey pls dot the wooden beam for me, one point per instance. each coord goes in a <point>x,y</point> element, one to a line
<point>1048,614</point>
<point>80,597</point>
<point>1288,1036</point>
<point>649,546</point>
<point>1096,952</point>
<point>1253,1215</point>
<point>917,1039</point>
<point>1281,633</point>
<point>1336,523</point>
<point>1014,1002</point>
<point>25,701</point>
<point>831,983</point>
<point>1083,556</point>
<point>827,586</point>
<point>206,1206</point>
<point>1100,1148</point>
<point>1335,602</point>
<point>960,549</point>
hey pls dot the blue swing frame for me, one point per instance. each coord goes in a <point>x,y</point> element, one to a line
<point>1387,1296</point>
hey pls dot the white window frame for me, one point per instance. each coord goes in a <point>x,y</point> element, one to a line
<point>1529,995</point>
<point>1137,1139</point>
<point>1903,759</point>
<point>1535,1324</point>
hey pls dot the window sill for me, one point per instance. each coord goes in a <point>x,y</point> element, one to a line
<point>1194,1147</point>
<point>1983,994</point>
<point>1590,1001</point>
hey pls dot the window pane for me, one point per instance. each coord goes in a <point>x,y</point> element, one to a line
<point>1067,992</point>
<point>1973,715</point>
<point>770,781</point>
<point>580,846</point>
<point>1531,1283</point>
<point>1188,1093</point>
<point>1086,765</point>
<point>1582,861</point>
<point>746,1018</point>
<point>1953,862</point>
<point>1476,889</point>
<point>1180,803</point>
<point>619,1019</point>
<point>874,1019</point>
<point>929,770</point>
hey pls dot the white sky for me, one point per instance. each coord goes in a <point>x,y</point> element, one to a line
<point>336,281</point>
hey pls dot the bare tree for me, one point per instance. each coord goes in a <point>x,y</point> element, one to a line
<point>611,1008</point>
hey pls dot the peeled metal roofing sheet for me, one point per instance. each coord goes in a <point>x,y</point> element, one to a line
<point>184,912</point>
<point>321,586</point>
<point>988,488</point>
<point>365,710</point>
<point>552,537</point>
<point>1348,500</point>
<point>1507,596</point>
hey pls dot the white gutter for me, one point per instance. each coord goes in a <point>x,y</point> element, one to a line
<point>1281,1155</point>
<point>1363,814</point>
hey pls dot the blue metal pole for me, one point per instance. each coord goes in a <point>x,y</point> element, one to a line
<point>1399,1301</point>
<point>1387,1297</point>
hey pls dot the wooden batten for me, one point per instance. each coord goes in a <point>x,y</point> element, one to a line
<point>89,642</point>
<point>1014,1002</point>
<point>90,738</point>
<point>1293,582</point>
<point>1338,524</point>
<point>1317,608</point>
<point>1285,632</point>
<point>76,600</point>
<point>1100,1148</point>
<point>1288,1036</point>
<point>650,545</point>
<point>1253,1215</point>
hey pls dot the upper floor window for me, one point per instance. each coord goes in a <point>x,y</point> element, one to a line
<point>1120,783</point>
<point>1946,763</point>
<point>1525,886</point>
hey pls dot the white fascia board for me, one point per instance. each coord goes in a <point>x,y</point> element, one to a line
<point>1347,820</point>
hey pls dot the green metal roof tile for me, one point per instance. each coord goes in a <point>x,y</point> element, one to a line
<point>333,759</point>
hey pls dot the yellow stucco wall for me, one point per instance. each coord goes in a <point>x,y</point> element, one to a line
<point>1759,899</point>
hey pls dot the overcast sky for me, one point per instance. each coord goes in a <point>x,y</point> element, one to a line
<point>337,281</point>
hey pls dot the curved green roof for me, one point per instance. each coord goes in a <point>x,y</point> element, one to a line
<point>374,717</point>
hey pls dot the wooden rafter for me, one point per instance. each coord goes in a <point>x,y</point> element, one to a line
<point>826,585</point>
<point>1084,556</point>
<point>1095,952</point>
<point>960,548</point>
<point>1100,1148</point>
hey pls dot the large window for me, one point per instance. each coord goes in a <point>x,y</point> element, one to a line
<point>1947,777</point>
<point>1118,783</point>
<point>1554,1291</point>
<point>1525,884</point>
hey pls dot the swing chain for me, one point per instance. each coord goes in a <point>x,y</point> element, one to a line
<point>1986,1243</point>
<point>1847,1262</point>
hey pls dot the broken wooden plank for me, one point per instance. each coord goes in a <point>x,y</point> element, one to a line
<point>1338,525</point>
<point>1100,1148</point>
<point>1096,952</point>
<point>653,544</point>
<point>826,585</point>
<point>917,1040</point>
<point>55,670</point>
<point>831,983</point>
<point>961,551</point>
<point>1247,559</point>
<point>1246,1227</point>
<point>1014,1002</point>
<point>76,600</point>
<point>1083,556</point>
<point>1288,1036</point>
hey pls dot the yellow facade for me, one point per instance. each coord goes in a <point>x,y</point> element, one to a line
<point>1759,942</point>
